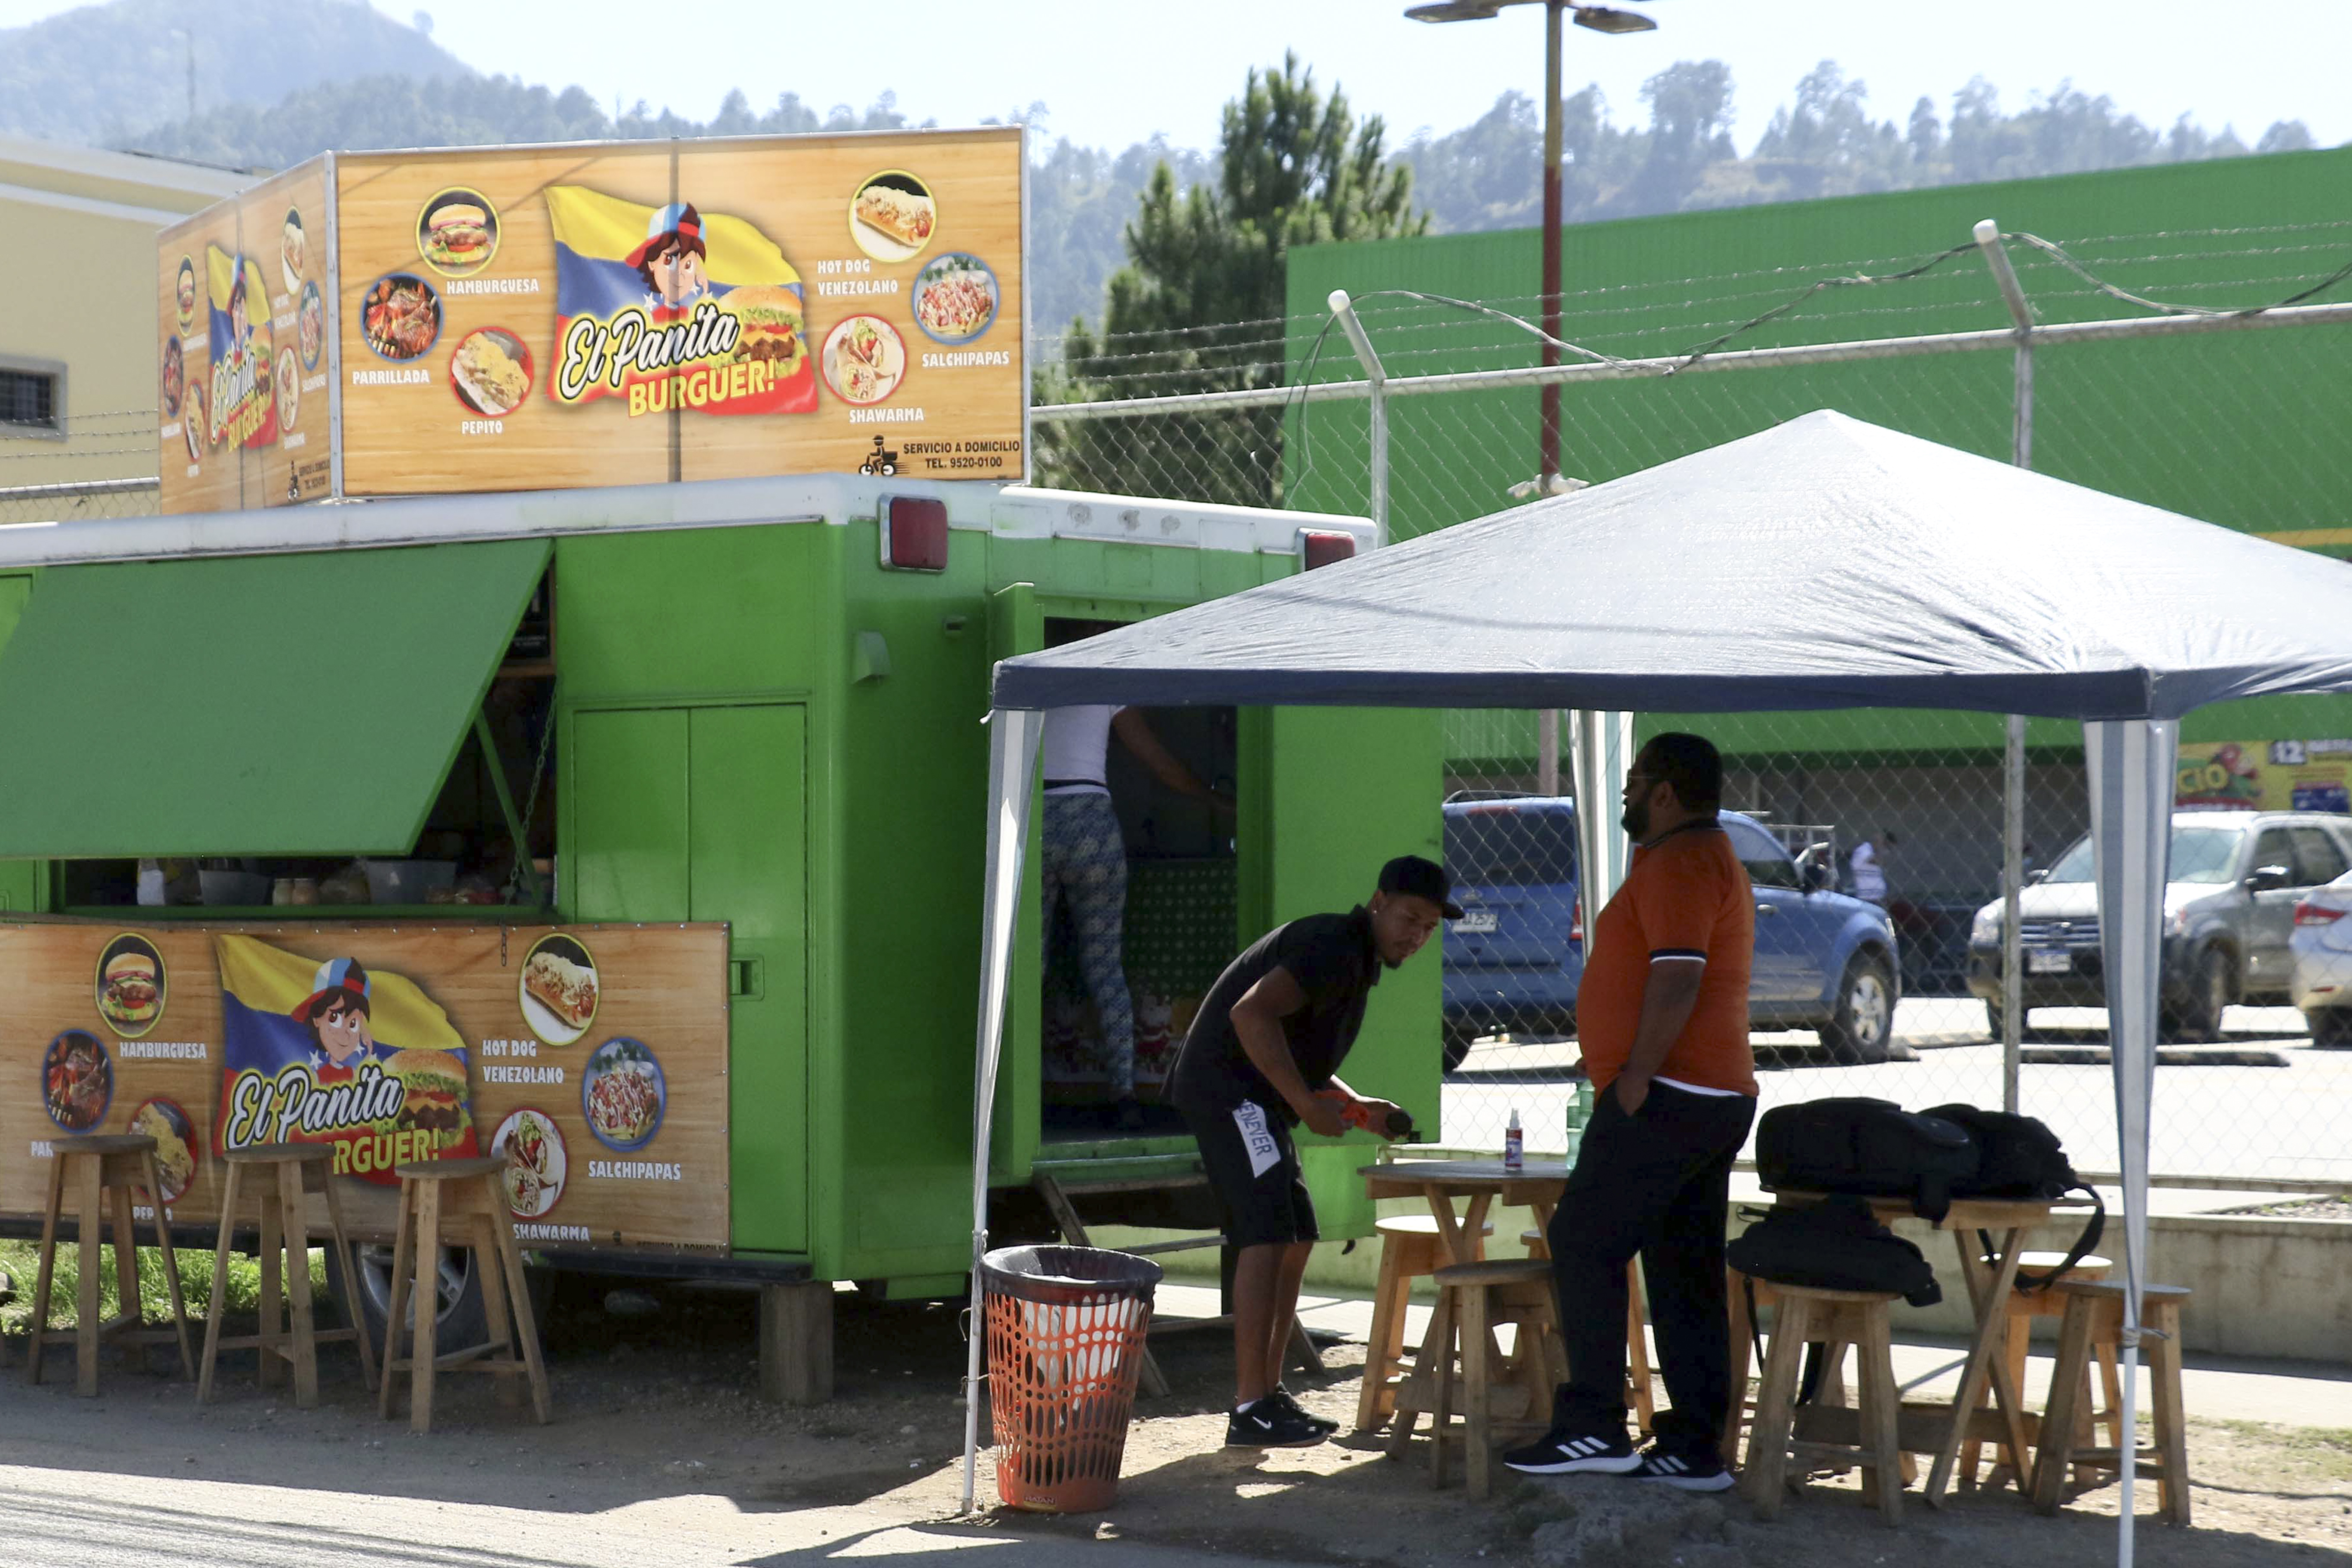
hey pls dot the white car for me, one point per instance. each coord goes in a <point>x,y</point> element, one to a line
<point>2322,946</point>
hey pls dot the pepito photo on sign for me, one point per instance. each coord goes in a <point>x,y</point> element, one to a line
<point>337,1053</point>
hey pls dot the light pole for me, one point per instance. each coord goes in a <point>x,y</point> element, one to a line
<point>1600,19</point>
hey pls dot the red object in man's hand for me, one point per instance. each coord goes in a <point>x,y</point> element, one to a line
<point>1356,1113</point>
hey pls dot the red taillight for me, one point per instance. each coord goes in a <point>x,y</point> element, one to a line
<point>2311,914</point>
<point>1318,547</point>
<point>915,534</point>
<point>1576,923</point>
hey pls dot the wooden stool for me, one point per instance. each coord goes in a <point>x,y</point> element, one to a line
<point>1855,1317</point>
<point>1462,1370</point>
<point>2094,1317</point>
<point>283,1172</point>
<point>2025,1305</point>
<point>102,1169</point>
<point>1410,1250</point>
<point>471,1213</point>
<point>1640,1397</point>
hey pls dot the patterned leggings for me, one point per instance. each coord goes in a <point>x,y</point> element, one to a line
<point>1085,861</point>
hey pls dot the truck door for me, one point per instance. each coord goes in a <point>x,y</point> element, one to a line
<point>700,814</point>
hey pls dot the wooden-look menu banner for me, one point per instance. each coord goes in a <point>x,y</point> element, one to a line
<point>244,360</point>
<point>636,312</point>
<point>592,1059</point>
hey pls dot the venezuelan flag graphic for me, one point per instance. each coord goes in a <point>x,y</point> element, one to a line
<point>674,309</point>
<point>244,404</point>
<point>338,1053</point>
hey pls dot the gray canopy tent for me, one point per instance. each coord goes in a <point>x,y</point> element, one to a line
<point>1824,563</point>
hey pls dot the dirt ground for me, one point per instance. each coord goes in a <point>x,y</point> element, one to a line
<point>656,1397</point>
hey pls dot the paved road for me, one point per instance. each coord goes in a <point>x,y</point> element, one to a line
<point>79,1513</point>
<point>2276,1123</point>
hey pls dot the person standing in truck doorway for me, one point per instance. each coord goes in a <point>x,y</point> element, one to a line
<point>1085,856</point>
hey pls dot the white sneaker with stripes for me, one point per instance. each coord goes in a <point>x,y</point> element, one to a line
<point>1562,1453</point>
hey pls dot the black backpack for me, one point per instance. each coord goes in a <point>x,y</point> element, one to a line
<point>1873,1147</point>
<point>2019,1157</point>
<point>1834,1245</point>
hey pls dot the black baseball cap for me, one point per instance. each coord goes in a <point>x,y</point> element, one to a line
<point>1418,878</point>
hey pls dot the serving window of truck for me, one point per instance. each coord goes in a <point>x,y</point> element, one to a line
<point>596,777</point>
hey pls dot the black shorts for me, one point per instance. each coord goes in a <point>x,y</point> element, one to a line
<point>1253,1167</point>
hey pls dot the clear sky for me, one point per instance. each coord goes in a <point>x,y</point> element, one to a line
<point>1114,72</point>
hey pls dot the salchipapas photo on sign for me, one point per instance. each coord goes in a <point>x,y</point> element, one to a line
<point>339,1053</point>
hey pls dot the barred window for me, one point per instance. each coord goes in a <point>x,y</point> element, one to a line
<point>29,397</point>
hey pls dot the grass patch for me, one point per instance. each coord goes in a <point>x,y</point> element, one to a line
<point>2309,1453</point>
<point>21,1261</point>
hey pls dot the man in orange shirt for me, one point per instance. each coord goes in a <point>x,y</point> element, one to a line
<point>1663,1014</point>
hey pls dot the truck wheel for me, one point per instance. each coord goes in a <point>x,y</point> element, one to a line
<point>2025,1029</point>
<point>1862,1028</point>
<point>2199,1018</point>
<point>463,1318</point>
<point>2331,1027</point>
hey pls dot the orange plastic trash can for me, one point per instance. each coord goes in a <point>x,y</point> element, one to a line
<point>1065,1327</point>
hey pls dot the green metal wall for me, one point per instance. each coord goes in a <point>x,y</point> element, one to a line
<point>2238,428</point>
<point>20,880</point>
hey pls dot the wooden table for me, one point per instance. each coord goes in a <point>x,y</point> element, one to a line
<point>1932,1428</point>
<point>1536,1185</point>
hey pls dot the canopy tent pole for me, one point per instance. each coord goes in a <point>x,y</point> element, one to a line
<point>2132,767</point>
<point>1601,750</point>
<point>1012,762</point>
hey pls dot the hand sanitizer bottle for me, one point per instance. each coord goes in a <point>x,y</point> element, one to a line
<point>1513,1157</point>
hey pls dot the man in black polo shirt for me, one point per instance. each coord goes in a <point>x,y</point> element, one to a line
<point>1272,1033</point>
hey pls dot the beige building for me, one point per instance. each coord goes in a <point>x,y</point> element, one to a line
<point>79,377</point>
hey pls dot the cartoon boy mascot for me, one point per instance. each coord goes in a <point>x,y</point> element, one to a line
<point>337,1013</point>
<point>671,263</point>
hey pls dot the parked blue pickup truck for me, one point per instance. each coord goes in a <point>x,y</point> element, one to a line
<point>1823,960</point>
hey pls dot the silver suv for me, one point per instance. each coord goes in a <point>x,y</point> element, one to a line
<point>2228,910</point>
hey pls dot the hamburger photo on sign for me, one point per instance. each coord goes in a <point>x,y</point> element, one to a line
<point>457,233</point>
<point>129,985</point>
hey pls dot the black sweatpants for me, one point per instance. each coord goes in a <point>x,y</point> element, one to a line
<point>1658,1184</point>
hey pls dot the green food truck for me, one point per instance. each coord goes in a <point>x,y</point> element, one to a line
<point>547,722</point>
<point>711,755</point>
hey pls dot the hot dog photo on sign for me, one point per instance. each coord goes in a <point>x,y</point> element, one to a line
<point>560,989</point>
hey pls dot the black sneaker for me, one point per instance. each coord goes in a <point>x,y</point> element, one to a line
<point>1270,1424</point>
<point>1566,1453</point>
<point>1322,1424</point>
<point>1691,1470</point>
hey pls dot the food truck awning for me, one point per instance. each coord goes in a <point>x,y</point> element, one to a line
<point>287,704</point>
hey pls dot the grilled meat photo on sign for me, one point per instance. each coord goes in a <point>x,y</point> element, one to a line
<point>402,316</point>
<point>77,1080</point>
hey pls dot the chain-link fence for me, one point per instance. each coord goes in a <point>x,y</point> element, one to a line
<point>1876,840</point>
<point>79,501</point>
